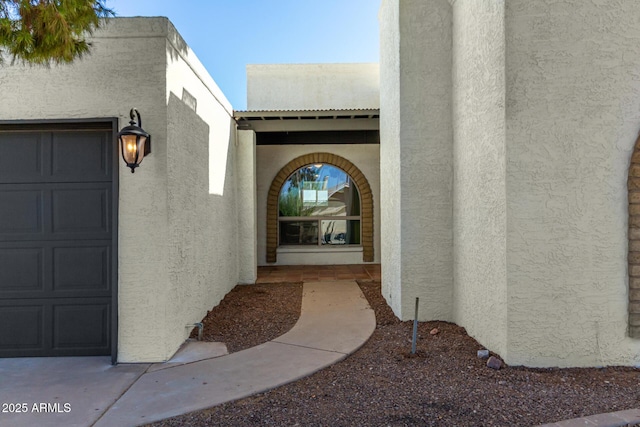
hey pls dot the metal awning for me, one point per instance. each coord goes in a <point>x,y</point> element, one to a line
<point>308,120</point>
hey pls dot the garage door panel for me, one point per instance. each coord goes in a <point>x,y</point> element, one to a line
<point>55,269</point>
<point>21,211</point>
<point>56,242</point>
<point>81,157</point>
<point>45,327</point>
<point>81,268</point>
<point>81,326</point>
<point>21,326</point>
<point>21,270</point>
<point>21,156</point>
<point>81,210</point>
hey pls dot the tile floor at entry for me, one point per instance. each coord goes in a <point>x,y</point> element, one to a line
<point>314,273</point>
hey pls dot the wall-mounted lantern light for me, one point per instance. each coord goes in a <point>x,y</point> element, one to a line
<point>135,143</point>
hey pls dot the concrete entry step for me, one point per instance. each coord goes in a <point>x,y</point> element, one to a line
<point>315,273</point>
<point>190,352</point>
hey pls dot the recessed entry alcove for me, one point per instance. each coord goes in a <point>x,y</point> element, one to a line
<point>360,220</point>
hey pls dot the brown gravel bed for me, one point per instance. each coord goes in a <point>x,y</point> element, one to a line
<point>252,315</point>
<point>444,384</point>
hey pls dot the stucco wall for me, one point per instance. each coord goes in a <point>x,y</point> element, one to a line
<point>101,85</point>
<point>247,207</point>
<point>416,157</point>
<point>573,97</point>
<point>202,259</point>
<point>545,100</point>
<point>272,158</point>
<point>312,86</point>
<point>390,208</point>
<point>479,207</point>
<point>173,213</point>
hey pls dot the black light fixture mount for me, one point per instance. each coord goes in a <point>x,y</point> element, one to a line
<point>135,143</point>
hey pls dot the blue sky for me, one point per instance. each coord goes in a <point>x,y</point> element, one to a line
<point>226,35</point>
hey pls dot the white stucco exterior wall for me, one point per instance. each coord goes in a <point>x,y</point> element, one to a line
<point>544,105</point>
<point>416,157</point>
<point>201,192</point>
<point>171,266</point>
<point>312,86</point>
<point>390,208</point>
<point>247,207</point>
<point>479,204</point>
<point>101,85</point>
<point>573,97</point>
<point>272,158</point>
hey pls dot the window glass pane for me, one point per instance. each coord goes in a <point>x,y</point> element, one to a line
<point>340,232</point>
<point>319,190</point>
<point>298,232</point>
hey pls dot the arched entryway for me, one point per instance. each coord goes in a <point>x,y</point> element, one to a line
<point>633,186</point>
<point>354,173</point>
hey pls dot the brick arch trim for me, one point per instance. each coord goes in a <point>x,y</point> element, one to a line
<point>366,200</point>
<point>633,187</point>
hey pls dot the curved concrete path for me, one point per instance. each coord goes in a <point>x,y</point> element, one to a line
<point>335,321</point>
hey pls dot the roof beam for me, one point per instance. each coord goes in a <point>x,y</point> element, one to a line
<point>310,125</point>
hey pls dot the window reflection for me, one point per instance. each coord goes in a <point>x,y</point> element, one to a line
<point>319,190</point>
<point>299,233</point>
<point>340,232</point>
<point>310,201</point>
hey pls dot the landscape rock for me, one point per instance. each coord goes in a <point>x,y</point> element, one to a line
<point>434,331</point>
<point>494,363</point>
<point>349,392</point>
<point>483,354</point>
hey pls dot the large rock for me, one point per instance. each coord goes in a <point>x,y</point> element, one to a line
<point>483,354</point>
<point>494,363</point>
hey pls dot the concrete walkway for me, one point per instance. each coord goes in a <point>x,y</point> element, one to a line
<point>629,417</point>
<point>87,391</point>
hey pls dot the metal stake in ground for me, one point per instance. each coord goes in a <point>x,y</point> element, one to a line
<point>415,329</point>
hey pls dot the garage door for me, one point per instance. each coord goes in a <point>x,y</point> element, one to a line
<point>56,240</point>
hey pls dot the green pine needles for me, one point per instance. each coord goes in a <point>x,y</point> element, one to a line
<point>48,31</point>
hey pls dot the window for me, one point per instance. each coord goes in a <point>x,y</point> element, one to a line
<point>355,176</point>
<point>319,205</point>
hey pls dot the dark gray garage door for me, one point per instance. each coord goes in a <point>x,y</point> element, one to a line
<point>56,241</point>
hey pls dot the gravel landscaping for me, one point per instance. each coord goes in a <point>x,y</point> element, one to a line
<point>383,384</point>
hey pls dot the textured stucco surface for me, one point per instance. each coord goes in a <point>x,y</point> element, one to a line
<point>479,207</point>
<point>247,209</point>
<point>272,158</point>
<point>416,157</point>
<point>201,193</point>
<point>312,86</point>
<point>544,116</point>
<point>390,208</point>
<point>573,96</point>
<point>101,86</point>
<point>171,265</point>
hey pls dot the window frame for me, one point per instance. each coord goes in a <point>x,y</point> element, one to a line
<point>366,196</point>
<point>319,218</point>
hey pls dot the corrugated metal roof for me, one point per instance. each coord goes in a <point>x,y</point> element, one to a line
<point>350,113</point>
<point>287,110</point>
<point>292,120</point>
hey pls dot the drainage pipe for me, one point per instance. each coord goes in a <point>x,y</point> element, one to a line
<point>200,327</point>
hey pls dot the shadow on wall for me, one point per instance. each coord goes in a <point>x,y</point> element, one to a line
<point>177,46</point>
<point>199,219</point>
<point>209,110</point>
<point>199,140</point>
